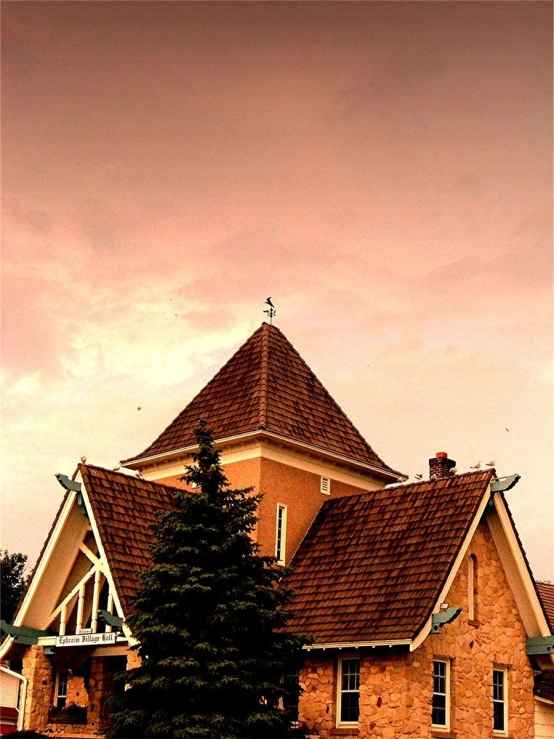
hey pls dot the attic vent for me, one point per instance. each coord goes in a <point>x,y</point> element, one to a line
<point>325,486</point>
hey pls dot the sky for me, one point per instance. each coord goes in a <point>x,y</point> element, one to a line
<point>382,170</point>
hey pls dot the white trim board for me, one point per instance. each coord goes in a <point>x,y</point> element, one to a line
<point>261,449</point>
<point>517,572</point>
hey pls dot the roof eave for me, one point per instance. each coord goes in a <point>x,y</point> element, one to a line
<point>384,474</point>
<point>359,644</point>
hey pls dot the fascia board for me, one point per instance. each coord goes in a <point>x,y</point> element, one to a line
<point>517,571</point>
<point>103,557</point>
<point>357,644</point>
<point>188,450</point>
<point>424,633</point>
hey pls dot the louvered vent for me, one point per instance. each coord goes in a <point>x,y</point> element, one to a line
<point>325,486</point>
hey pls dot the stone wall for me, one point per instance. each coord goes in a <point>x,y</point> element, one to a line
<point>38,670</point>
<point>396,689</point>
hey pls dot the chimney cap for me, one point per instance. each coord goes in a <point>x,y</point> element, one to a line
<point>442,455</point>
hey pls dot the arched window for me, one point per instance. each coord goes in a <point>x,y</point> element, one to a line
<point>472,587</point>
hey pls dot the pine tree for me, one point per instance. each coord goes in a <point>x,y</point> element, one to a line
<point>208,619</point>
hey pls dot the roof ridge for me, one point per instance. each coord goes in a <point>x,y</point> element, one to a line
<point>264,373</point>
<point>134,478</point>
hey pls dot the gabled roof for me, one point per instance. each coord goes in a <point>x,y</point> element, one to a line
<point>546,594</point>
<point>372,566</point>
<point>124,509</point>
<point>267,386</point>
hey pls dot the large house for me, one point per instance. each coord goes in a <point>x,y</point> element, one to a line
<point>423,614</point>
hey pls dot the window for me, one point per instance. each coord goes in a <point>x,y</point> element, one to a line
<point>60,695</point>
<point>441,694</point>
<point>472,587</point>
<point>325,486</point>
<point>349,691</point>
<point>281,534</point>
<point>499,701</point>
<point>291,684</point>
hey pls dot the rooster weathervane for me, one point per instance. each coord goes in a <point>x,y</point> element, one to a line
<point>271,311</point>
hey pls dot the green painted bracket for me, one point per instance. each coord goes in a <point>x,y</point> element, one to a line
<point>444,617</point>
<point>505,483</point>
<point>68,483</point>
<point>108,618</point>
<point>540,645</point>
<point>49,651</point>
<point>22,634</point>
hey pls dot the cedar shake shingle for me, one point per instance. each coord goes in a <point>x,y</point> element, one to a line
<point>546,595</point>
<point>372,566</point>
<point>124,509</point>
<point>267,386</point>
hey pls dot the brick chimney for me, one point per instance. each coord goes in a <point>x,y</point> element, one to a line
<point>440,465</point>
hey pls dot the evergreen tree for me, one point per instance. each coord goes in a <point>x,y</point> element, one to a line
<point>208,619</point>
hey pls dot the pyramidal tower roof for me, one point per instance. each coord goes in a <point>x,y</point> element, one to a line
<point>267,386</point>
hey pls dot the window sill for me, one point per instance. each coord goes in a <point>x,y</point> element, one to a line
<point>473,622</point>
<point>443,734</point>
<point>345,731</point>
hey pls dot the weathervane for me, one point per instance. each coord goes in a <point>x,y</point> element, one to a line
<point>271,311</point>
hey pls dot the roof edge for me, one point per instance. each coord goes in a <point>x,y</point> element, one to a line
<point>359,644</point>
<point>423,631</point>
<point>386,472</point>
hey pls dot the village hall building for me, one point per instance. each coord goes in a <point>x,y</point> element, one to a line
<point>423,614</point>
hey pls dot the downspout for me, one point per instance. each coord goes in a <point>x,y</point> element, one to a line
<point>22,696</point>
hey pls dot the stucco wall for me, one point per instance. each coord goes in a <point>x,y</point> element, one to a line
<point>300,491</point>
<point>396,690</point>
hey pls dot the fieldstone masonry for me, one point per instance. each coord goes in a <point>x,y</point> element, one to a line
<point>396,689</point>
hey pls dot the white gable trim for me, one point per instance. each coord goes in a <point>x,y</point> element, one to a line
<point>66,509</point>
<point>424,633</point>
<point>517,572</point>
<point>107,571</point>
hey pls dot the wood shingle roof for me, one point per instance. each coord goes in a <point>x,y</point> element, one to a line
<point>546,595</point>
<point>124,508</point>
<point>369,569</point>
<point>372,566</point>
<point>267,386</point>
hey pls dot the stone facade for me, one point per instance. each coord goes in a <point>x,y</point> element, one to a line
<point>91,693</point>
<point>396,688</point>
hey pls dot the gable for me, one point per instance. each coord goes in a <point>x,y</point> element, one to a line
<point>373,566</point>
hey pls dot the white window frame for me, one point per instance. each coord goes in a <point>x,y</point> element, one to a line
<point>325,485</point>
<point>281,535</point>
<point>504,672</point>
<point>57,695</point>
<point>446,725</point>
<point>341,660</point>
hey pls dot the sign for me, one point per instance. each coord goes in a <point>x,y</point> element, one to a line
<point>85,631</point>
<point>86,640</point>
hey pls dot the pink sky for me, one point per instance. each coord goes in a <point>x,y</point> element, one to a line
<point>382,170</point>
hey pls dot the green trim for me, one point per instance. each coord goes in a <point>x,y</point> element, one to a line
<point>540,645</point>
<point>68,483</point>
<point>22,634</point>
<point>444,617</point>
<point>505,483</point>
<point>108,618</point>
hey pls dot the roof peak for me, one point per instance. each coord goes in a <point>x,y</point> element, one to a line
<point>267,386</point>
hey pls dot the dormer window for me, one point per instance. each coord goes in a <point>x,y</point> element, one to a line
<point>325,486</point>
